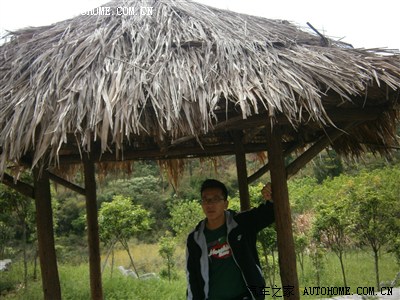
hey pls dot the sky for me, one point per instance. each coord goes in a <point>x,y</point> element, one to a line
<point>362,23</point>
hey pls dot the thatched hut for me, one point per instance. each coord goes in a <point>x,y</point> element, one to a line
<point>187,80</point>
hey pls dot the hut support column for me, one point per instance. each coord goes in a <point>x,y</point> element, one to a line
<point>44,223</point>
<point>241,169</point>
<point>93,228</point>
<point>283,221</point>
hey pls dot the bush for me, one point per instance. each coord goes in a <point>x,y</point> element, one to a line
<point>6,284</point>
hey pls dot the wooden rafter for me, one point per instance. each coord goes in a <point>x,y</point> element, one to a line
<point>335,115</point>
<point>156,153</point>
<point>67,184</point>
<point>21,187</point>
<point>264,169</point>
<point>316,148</point>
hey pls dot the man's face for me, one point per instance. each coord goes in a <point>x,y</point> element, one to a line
<point>213,204</point>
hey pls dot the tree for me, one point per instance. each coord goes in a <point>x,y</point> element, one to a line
<point>377,209</point>
<point>266,238</point>
<point>394,247</point>
<point>69,215</point>
<point>184,217</point>
<point>7,222</point>
<point>327,165</point>
<point>317,254</point>
<point>333,220</point>
<point>148,192</point>
<point>302,193</point>
<point>16,221</point>
<point>167,248</point>
<point>302,235</point>
<point>120,220</point>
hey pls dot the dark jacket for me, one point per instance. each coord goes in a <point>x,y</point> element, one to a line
<point>242,229</point>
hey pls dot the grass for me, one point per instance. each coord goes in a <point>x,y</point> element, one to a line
<point>145,257</point>
<point>75,286</point>
<point>359,267</point>
<point>75,278</point>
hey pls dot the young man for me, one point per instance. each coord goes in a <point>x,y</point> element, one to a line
<point>221,256</point>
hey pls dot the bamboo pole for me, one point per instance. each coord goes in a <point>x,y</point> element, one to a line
<point>283,221</point>
<point>93,228</point>
<point>44,222</point>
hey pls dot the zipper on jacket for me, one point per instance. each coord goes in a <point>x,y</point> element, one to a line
<point>234,259</point>
<point>228,231</point>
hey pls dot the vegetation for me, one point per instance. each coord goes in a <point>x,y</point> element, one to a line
<point>333,221</point>
<point>167,250</point>
<point>345,217</point>
<point>75,278</point>
<point>119,221</point>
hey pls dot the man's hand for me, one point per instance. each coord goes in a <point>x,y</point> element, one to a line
<point>267,192</point>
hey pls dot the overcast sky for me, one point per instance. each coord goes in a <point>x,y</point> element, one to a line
<point>362,23</point>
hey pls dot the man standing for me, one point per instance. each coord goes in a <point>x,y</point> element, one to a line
<point>221,256</point>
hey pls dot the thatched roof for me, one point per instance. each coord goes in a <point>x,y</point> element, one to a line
<point>185,76</point>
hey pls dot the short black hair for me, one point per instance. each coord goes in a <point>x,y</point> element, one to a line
<point>213,183</point>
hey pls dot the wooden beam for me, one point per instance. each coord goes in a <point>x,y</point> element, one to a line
<point>67,184</point>
<point>181,152</point>
<point>178,150</point>
<point>264,169</point>
<point>241,169</point>
<point>257,174</point>
<point>44,222</point>
<point>92,228</point>
<point>21,187</point>
<point>313,151</point>
<point>335,114</point>
<point>283,219</point>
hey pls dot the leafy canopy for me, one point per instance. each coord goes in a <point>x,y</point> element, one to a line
<point>120,219</point>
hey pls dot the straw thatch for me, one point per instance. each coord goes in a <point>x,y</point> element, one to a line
<point>184,76</point>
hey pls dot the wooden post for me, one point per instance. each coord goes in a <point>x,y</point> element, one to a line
<point>92,228</point>
<point>241,169</point>
<point>44,223</point>
<point>283,221</point>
